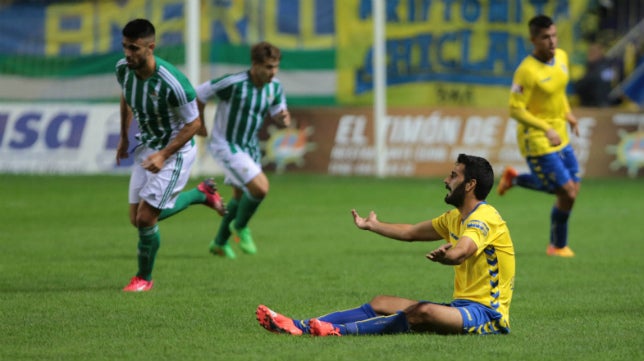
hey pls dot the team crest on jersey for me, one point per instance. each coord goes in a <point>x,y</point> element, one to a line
<point>154,96</point>
<point>516,88</point>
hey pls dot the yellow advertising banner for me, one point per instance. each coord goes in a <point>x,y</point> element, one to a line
<point>445,52</point>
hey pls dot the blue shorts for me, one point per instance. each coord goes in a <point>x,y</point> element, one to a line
<point>553,170</point>
<point>479,319</point>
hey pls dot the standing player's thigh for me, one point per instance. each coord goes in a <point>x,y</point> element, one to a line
<point>240,169</point>
<point>139,176</point>
<point>137,181</point>
<point>571,163</point>
<point>162,189</point>
<point>550,170</point>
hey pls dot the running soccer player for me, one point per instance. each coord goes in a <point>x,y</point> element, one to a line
<point>478,246</point>
<point>539,104</point>
<point>244,100</point>
<point>163,102</point>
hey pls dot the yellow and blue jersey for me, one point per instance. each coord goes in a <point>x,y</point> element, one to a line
<point>486,277</point>
<point>540,89</point>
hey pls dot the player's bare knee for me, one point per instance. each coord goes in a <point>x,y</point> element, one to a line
<point>421,316</point>
<point>379,304</point>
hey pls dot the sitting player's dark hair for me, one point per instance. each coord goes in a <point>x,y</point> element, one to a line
<point>480,169</point>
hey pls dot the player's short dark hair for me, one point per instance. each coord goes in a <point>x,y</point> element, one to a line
<point>263,51</point>
<point>480,169</point>
<point>538,23</point>
<point>138,29</point>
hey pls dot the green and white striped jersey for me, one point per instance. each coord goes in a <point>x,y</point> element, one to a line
<point>241,110</point>
<point>162,104</point>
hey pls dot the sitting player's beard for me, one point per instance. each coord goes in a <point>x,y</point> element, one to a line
<point>457,196</point>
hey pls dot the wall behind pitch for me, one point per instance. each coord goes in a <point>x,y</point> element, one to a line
<point>425,142</point>
<point>421,142</point>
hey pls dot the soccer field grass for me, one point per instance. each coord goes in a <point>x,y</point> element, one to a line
<point>67,249</point>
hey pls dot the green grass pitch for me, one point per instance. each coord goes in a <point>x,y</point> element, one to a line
<point>67,249</point>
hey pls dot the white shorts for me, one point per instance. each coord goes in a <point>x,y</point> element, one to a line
<point>160,190</point>
<point>239,168</point>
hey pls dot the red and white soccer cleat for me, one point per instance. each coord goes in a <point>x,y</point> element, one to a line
<point>138,284</point>
<point>276,323</point>
<point>213,200</point>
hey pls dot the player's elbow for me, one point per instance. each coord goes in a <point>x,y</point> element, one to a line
<point>516,112</point>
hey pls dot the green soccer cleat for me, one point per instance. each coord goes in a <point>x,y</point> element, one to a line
<point>244,238</point>
<point>225,251</point>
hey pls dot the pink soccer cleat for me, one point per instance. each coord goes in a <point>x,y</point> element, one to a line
<point>213,199</point>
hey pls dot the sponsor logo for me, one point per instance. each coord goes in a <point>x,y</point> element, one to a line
<point>287,146</point>
<point>629,152</point>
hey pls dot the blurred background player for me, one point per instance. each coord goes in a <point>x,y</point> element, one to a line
<point>539,104</point>
<point>163,103</point>
<point>244,100</point>
<point>479,247</point>
<point>599,79</point>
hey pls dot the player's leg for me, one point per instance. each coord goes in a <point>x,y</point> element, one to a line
<point>278,323</point>
<point>241,171</point>
<point>249,201</point>
<point>257,189</point>
<point>205,193</point>
<point>383,315</point>
<point>435,318</point>
<point>219,245</point>
<point>457,318</point>
<point>567,180</point>
<point>155,191</point>
<point>536,179</point>
<point>138,180</point>
<point>149,239</point>
<point>147,247</point>
<point>360,313</point>
<point>533,180</point>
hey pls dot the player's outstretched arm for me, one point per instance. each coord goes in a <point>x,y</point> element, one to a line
<point>423,231</point>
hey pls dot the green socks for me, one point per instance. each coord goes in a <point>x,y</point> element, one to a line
<point>184,200</point>
<point>247,207</point>
<point>224,232</point>
<point>149,242</point>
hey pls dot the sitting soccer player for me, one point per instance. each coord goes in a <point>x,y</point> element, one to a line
<point>479,248</point>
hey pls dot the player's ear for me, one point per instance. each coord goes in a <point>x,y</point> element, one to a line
<point>470,185</point>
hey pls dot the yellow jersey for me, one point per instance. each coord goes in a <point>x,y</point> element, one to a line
<point>540,89</point>
<point>486,277</point>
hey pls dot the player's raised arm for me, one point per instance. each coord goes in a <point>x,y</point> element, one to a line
<point>423,231</point>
